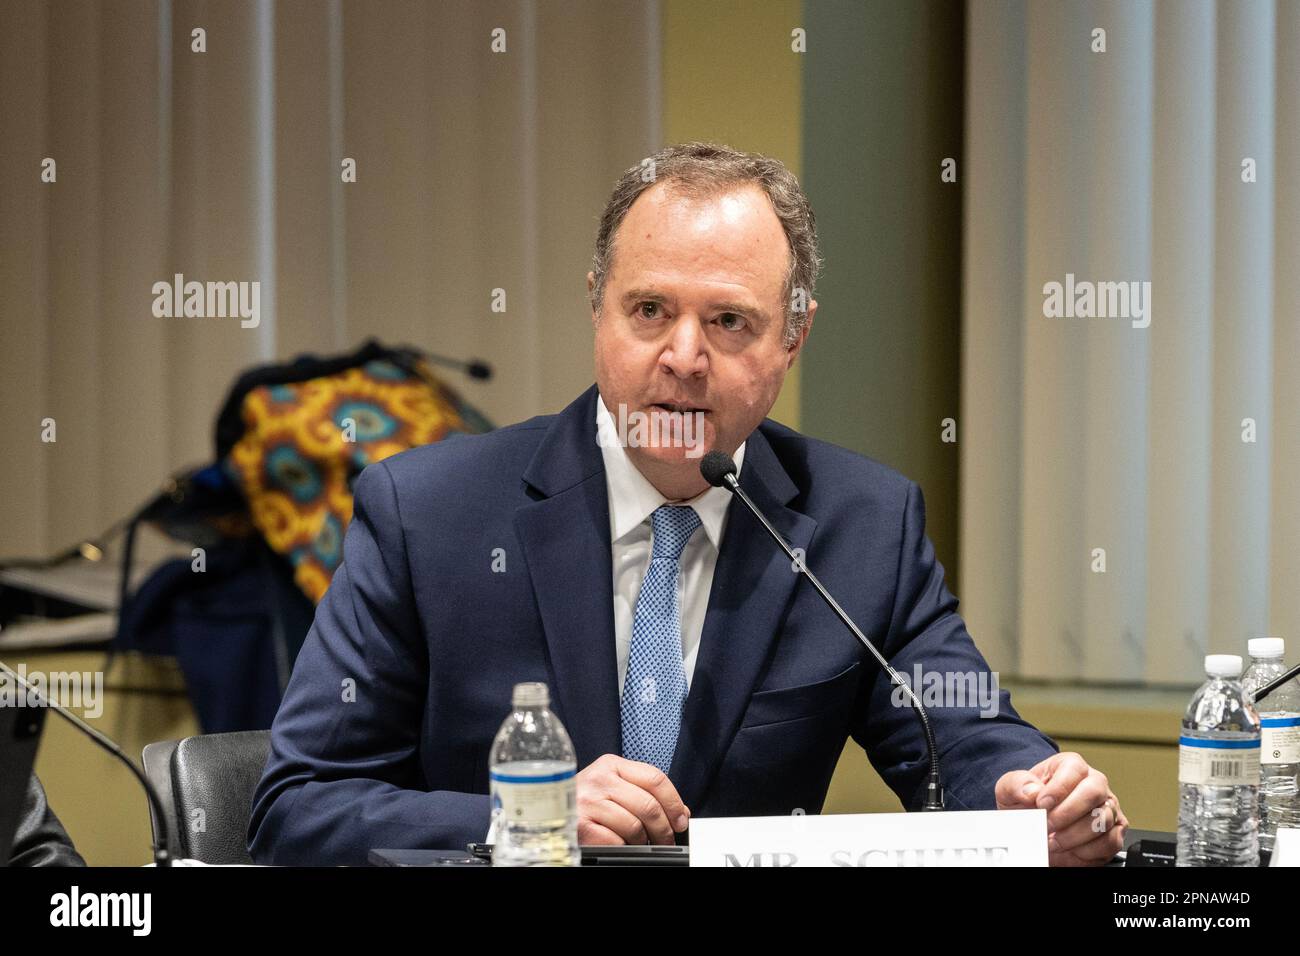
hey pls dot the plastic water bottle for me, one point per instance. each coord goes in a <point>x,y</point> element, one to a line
<point>1218,772</point>
<point>534,792</point>
<point>1279,750</point>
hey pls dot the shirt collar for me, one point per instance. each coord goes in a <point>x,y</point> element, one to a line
<point>632,499</point>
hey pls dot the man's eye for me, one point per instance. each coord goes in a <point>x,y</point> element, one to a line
<point>642,306</point>
<point>731,321</point>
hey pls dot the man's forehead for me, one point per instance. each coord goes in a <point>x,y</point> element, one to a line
<point>738,206</point>
<point>732,237</point>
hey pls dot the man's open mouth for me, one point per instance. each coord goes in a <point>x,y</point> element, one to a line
<point>677,409</point>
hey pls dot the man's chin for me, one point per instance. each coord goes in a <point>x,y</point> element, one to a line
<point>675,457</point>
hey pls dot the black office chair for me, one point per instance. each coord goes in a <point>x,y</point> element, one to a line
<point>206,786</point>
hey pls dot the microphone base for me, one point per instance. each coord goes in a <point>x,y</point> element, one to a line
<point>933,796</point>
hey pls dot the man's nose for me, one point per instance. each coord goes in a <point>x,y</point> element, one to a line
<point>686,351</point>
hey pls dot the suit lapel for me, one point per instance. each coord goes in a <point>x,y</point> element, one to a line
<point>565,538</point>
<point>752,584</point>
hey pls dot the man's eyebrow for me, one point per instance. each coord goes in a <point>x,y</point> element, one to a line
<point>650,295</point>
<point>644,295</point>
<point>740,308</point>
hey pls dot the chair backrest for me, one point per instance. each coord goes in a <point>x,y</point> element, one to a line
<point>213,778</point>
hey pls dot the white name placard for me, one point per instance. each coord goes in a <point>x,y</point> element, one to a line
<point>950,838</point>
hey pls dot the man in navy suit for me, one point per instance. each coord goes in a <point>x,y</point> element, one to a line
<point>696,672</point>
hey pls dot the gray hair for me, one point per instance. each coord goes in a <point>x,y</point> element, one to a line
<point>708,169</point>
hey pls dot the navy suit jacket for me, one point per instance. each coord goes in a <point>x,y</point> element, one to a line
<point>382,739</point>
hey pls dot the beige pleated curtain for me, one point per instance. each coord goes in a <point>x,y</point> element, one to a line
<point>477,170</point>
<point>1089,438</point>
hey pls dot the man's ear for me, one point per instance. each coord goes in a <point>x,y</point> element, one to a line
<point>793,351</point>
<point>591,291</point>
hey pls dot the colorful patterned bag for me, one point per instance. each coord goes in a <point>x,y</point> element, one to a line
<point>294,437</point>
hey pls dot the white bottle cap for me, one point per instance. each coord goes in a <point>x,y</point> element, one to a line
<point>536,694</point>
<point>1223,665</point>
<point>1266,646</point>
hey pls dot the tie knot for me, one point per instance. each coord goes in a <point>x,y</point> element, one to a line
<point>673,526</point>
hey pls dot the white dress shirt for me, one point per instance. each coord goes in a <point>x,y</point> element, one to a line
<point>632,499</point>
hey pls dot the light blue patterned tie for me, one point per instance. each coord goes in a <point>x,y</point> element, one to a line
<point>654,689</point>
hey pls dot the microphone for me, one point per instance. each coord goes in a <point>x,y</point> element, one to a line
<point>161,853</point>
<point>720,471</point>
<point>1265,689</point>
